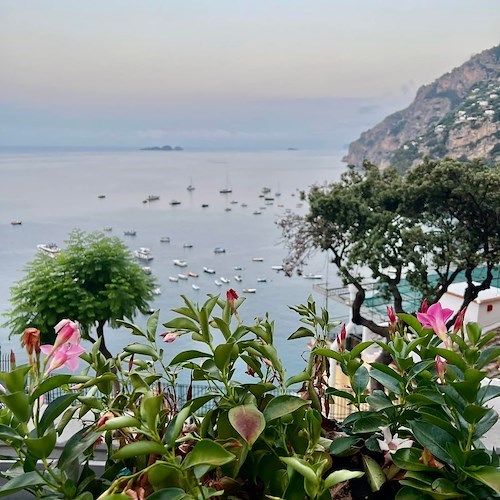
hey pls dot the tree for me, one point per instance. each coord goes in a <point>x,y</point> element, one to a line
<point>94,281</point>
<point>439,220</point>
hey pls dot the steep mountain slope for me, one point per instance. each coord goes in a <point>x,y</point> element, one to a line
<point>458,115</point>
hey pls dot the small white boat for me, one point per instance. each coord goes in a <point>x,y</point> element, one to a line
<point>165,239</point>
<point>192,274</point>
<point>261,280</point>
<point>227,209</point>
<point>107,229</point>
<point>190,187</point>
<point>313,276</point>
<point>256,212</point>
<point>179,263</point>
<point>266,190</point>
<point>182,276</point>
<point>249,290</point>
<point>143,254</point>
<point>195,287</point>
<point>174,279</point>
<point>258,259</point>
<point>238,278</point>
<point>130,232</point>
<point>219,250</point>
<point>208,270</point>
<point>16,222</point>
<point>147,270</point>
<point>237,268</point>
<point>244,205</point>
<point>187,245</point>
<point>218,283</point>
<point>51,249</point>
<point>277,268</point>
<point>157,291</point>
<point>204,205</point>
<point>224,280</point>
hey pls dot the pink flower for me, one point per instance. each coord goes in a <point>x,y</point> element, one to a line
<point>392,315</point>
<point>440,368</point>
<point>66,355</point>
<point>424,306</point>
<point>390,444</point>
<point>436,318</point>
<point>459,321</point>
<point>168,337</point>
<point>341,339</point>
<point>67,332</point>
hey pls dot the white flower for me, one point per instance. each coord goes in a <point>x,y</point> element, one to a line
<point>392,444</point>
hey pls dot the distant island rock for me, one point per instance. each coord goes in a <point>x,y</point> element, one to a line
<point>292,149</point>
<point>163,148</point>
<point>456,116</point>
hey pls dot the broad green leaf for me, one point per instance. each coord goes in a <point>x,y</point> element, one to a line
<point>341,394</point>
<point>490,476</point>
<point>433,437</point>
<point>473,332</point>
<point>182,324</point>
<point>207,452</point>
<point>150,410</point>
<point>359,348</point>
<point>302,467</point>
<point>49,384</point>
<point>409,459</point>
<point>328,353</point>
<point>53,410</point>
<point>119,423</point>
<point>295,379</point>
<point>368,425</point>
<point>388,381</point>
<point>451,356</point>
<point>152,325</point>
<point>168,494</point>
<point>360,380</point>
<point>339,476</point>
<point>283,405</point>
<point>175,426</point>
<point>139,448</point>
<point>223,327</point>
<point>75,446</point>
<point>379,401</point>
<point>300,333</point>
<point>488,392</point>
<point>18,403</point>
<point>374,473</point>
<point>485,424</point>
<point>15,380</point>
<point>411,321</point>
<point>488,355</point>
<point>248,421</point>
<point>408,493</point>
<point>10,436</point>
<point>419,367</point>
<point>187,355</point>
<point>222,355</point>
<point>473,413</point>
<point>42,447</point>
<point>345,446</point>
<point>21,482</point>
<point>135,329</point>
<point>142,349</point>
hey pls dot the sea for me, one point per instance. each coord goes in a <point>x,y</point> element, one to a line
<point>53,191</point>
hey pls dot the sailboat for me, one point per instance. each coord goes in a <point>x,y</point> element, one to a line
<point>191,186</point>
<point>227,189</point>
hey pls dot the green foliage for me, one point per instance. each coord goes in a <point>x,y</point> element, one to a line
<point>93,280</point>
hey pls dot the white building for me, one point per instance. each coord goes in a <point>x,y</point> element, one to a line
<point>485,309</point>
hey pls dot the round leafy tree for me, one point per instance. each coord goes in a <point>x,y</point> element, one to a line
<point>94,281</point>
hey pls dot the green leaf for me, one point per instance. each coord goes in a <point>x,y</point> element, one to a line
<point>300,333</point>
<point>150,410</point>
<point>473,332</point>
<point>135,329</point>
<point>411,321</point>
<point>187,355</point>
<point>409,459</point>
<point>451,356</point>
<point>53,410</point>
<point>283,405</point>
<point>360,380</point>
<point>18,403</point>
<point>485,424</point>
<point>488,392</point>
<point>207,452</point>
<point>75,446</point>
<point>379,401</point>
<point>139,448</point>
<point>295,379</point>
<point>21,482</point>
<point>175,426</point>
<point>10,436</point>
<point>368,425</point>
<point>50,383</point>
<point>152,325</point>
<point>473,413</point>
<point>119,423</point>
<point>222,355</point>
<point>302,467</point>
<point>433,437</point>
<point>490,476</point>
<point>223,327</point>
<point>248,421</point>
<point>345,446</point>
<point>42,447</point>
<point>182,324</point>
<point>359,348</point>
<point>168,494</point>
<point>143,349</point>
<point>488,355</point>
<point>388,381</point>
<point>374,473</point>
<point>408,493</point>
<point>328,353</point>
<point>15,380</point>
<point>339,476</point>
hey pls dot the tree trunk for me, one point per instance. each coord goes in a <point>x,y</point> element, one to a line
<point>100,335</point>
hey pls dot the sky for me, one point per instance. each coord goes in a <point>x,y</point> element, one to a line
<point>223,74</point>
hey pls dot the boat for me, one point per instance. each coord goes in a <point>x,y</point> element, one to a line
<point>174,279</point>
<point>258,259</point>
<point>219,250</point>
<point>152,197</point>
<point>130,232</point>
<point>147,270</point>
<point>277,268</point>
<point>175,202</point>
<point>16,222</point>
<point>208,270</point>
<point>227,189</point>
<point>51,249</point>
<point>237,268</point>
<point>143,254</point>
<point>101,196</point>
<point>224,280</point>
<point>187,245</point>
<point>256,212</point>
<point>249,290</point>
<point>165,239</point>
<point>261,280</point>
<point>157,291</point>
<point>311,276</point>
<point>244,205</point>
<point>192,274</point>
<point>195,287</point>
<point>179,263</point>
<point>238,278</point>
<point>218,283</point>
<point>266,190</point>
<point>234,202</point>
<point>227,209</point>
<point>204,205</point>
<point>107,229</point>
<point>268,198</point>
<point>182,276</point>
<point>191,186</point>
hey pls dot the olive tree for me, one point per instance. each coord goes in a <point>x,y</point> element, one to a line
<point>94,280</point>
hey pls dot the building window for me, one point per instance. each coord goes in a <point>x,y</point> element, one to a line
<point>489,308</point>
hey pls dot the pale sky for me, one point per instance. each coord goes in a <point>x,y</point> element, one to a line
<point>223,73</point>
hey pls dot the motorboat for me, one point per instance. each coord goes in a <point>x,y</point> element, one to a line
<point>219,250</point>
<point>16,222</point>
<point>175,202</point>
<point>50,249</point>
<point>234,202</point>
<point>218,283</point>
<point>130,232</point>
<point>179,263</point>
<point>107,229</point>
<point>261,280</point>
<point>257,212</point>
<point>237,268</point>
<point>190,187</point>
<point>195,287</point>
<point>187,245</point>
<point>313,276</point>
<point>192,274</point>
<point>249,290</point>
<point>101,196</point>
<point>238,278</point>
<point>174,279</point>
<point>226,190</point>
<point>204,205</point>
<point>182,276</point>
<point>143,254</point>
<point>258,259</point>
<point>147,270</point>
<point>266,190</point>
<point>227,209</point>
<point>244,205</point>
<point>208,270</point>
<point>165,239</point>
<point>157,291</point>
<point>224,280</point>
<point>153,197</point>
<point>277,268</point>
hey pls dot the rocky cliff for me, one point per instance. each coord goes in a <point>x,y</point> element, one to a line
<point>458,115</point>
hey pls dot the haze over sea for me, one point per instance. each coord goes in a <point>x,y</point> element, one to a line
<point>55,191</point>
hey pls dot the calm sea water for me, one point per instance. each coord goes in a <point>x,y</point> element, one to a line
<point>55,192</point>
